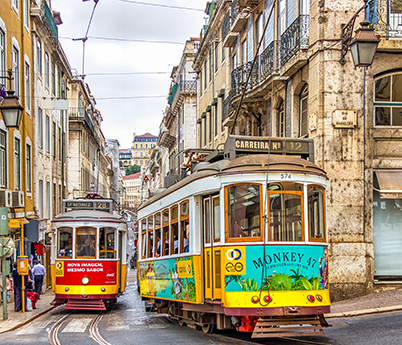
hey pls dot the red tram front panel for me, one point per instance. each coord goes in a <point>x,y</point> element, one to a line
<point>87,279</point>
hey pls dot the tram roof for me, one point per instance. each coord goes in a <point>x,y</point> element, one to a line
<point>249,163</point>
<point>89,216</point>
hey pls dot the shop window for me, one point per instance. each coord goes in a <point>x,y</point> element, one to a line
<point>388,100</point>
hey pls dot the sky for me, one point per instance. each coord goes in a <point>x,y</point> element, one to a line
<point>128,77</point>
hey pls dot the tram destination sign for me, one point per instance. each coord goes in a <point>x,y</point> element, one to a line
<point>237,145</point>
<point>96,205</point>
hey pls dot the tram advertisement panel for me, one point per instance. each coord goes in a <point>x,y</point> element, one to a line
<point>276,268</point>
<point>99,272</point>
<point>171,279</point>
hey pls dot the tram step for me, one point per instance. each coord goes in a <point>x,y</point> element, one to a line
<point>85,305</point>
<point>286,327</point>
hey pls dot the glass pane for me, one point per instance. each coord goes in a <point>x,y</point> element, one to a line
<point>397,88</point>
<point>174,213</point>
<point>316,212</point>
<point>382,89</point>
<point>86,241</point>
<point>382,116</point>
<point>158,220</point>
<point>157,243</point>
<point>387,224</point>
<point>106,243</point>
<point>165,217</point>
<point>207,230</point>
<point>150,223</point>
<point>165,241</point>
<point>150,243</point>
<point>144,225</point>
<point>175,238</point>
<point>185,226</point>
<point>65,240</point>
<point>184,210</point>
<point>285,217</point>
<point>208,269</point>
<point>396,116</point>
<point>217,216</point>
<point>244,211</point>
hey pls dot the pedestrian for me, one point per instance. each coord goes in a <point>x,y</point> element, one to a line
<point>30,285</point>
<point>39,273</point>
<point>17,278</point>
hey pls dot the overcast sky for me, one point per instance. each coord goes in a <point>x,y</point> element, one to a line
<point>118,95</point>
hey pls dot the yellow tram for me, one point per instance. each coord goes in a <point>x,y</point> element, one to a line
<point>241,242</point>
<point>88,260</point>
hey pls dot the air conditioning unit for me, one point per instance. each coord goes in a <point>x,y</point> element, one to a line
<point>18,199</point>
<point>6,198</point>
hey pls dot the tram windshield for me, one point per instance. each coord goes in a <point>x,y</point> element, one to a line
<point>107,243</point>
<point>85,242</point>
<point>64,242</point>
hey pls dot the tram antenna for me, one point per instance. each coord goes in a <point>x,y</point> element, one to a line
<point>251,68</point>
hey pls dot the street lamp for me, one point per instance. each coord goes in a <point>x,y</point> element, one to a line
<point>364,45</point>
<point>11,108</point>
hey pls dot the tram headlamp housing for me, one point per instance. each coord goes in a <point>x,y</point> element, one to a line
<point>103,289</point>
<point>318,298</point>
<point>66,289</point>
<point>267,299</point>
<point>85,280</point>
<point>255,299</point>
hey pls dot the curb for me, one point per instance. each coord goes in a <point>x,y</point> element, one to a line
<point>364,312</point>
<point>28,320</point>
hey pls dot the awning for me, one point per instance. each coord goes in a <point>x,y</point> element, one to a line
<point>390,183</point>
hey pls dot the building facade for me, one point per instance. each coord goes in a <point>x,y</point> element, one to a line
<point>140,149</point>
<point>125,156</point>
<point>88,164</point>
<point>132,186</point>
<point>52,74</point>
<point>299,87</point>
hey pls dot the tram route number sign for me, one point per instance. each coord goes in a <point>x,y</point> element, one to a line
<point>59,269</point>
<point>103,205</point>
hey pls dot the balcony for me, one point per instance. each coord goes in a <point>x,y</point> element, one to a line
<point>295,38</point>
<point>385,17</point>
<point>81,114</point>
<point>50,21</point>
<point>188,86</point>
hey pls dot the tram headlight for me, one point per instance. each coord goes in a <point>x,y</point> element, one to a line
<point>255,299</point>
<point>85,280</point>
<point>103,289</point>
<point>310,298</point>
<point>66,289</point>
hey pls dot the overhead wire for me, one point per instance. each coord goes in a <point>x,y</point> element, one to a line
<point>162,5</point>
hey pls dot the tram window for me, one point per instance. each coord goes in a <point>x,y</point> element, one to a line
<point>106,243</point>
<point>244,211</point>
<point>316,213</point>
<point>184,227</point>
<point>157,241</point>
<point>150,236</point>
<point>216,218</point>
<point>174,211</point>
<point>143,238</point>
<point>86,242</point>
<point>285,216</point>
<point>65,240</point>
<point>164,247</point>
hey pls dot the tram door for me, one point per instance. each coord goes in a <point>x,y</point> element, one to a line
<point>212,248</point>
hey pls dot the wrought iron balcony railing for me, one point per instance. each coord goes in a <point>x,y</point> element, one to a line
<point>295,38</point>
<point>226,25</point>
<point>227,105</point>
<point>234,11</point>
<point>385,17</point>
<point>188,86</point>
<point>269,60</point>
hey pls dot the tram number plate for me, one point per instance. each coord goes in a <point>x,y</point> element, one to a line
<point>286,176</point>
<point>59,269</point>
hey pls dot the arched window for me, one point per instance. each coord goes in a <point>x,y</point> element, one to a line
<point>388,100</point>
<point>303,112</point>
<point>281,120</point>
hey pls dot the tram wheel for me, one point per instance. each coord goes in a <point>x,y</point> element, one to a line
<point>208,328</point>
<point>181,322</point>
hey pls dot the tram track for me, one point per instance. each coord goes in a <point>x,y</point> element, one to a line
<point>93,329</point>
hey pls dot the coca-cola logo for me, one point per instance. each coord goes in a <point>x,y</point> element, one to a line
<point>110,275</point>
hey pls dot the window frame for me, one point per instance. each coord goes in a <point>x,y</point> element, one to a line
<point>75,243</point>
<point>3,161</point>
<point>243,239</point>
<point>324,210</point>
